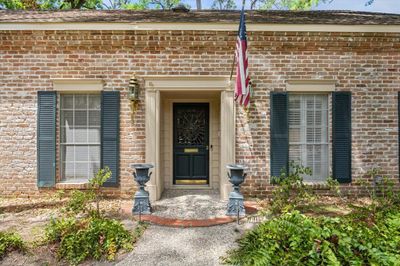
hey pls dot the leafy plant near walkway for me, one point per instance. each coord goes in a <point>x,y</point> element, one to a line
<point>295,239</point>
<point>290,190</point>
<point>92,235</point>
<point>9,242</point>
<point>369,235</point>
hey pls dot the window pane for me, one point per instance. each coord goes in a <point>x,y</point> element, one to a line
<point>81,170</point>
<point>80,101</point>
<point>81,153</point>
<point>81,135</point>
<point>67,153</point>
<point>80,118</point>
<point>94,102</point>
<point>67,118</point>
<point>294,135</point>
<point>93,168</point>
<point>294,117</point>
<point>295,154</point>
<point>294,101</point>
<point>94,153</point>
<point>67,102</point>
<point>67,135</point>
<point>67,171</point>
<point>94,135</point>
<point>94,118</point>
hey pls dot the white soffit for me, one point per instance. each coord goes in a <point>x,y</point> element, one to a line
<point>198,26</point>
<point>310,85</point>
<point>76,85</point>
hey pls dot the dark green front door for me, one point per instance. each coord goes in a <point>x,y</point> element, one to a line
<point>191,143</point>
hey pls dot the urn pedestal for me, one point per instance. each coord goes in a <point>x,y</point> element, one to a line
<point>236,177</point>
<point>141,175</point>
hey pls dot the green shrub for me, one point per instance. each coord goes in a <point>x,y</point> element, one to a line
<point>295,239</point>
<point>10,242</point>
<point>290,190</point>
<point>81,201</point>
<point>88,238</point>
<point>92,235</point>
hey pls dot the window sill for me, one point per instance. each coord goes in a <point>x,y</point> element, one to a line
<point>72,185</point>
<point>318,185</point>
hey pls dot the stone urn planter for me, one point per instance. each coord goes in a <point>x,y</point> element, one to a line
<point>141,175</point>
<point>236,177</point>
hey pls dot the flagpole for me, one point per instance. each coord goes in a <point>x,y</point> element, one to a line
<point>233,65</point>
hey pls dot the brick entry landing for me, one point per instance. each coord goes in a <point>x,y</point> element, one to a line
<point>190,208</point>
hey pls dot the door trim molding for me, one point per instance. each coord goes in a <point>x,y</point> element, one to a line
<point>153,86</point>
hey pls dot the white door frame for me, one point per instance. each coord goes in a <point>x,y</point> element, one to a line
<point>154,85</point>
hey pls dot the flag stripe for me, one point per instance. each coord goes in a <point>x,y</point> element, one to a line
<point>242,89</point>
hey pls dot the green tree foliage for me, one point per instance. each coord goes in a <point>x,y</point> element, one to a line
<point>140,4</point>
<point>223,4</point>
<point>157,4</point>
<point>51,4</point>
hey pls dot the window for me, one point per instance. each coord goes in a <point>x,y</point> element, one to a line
<point>308,133</point>
<point>80,130</point>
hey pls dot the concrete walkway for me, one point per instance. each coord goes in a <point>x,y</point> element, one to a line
<point>166,246</point>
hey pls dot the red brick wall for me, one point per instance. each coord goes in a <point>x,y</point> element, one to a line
<point>368,64</point>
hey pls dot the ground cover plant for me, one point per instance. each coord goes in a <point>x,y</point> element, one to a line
<point>367,235</point>
<point>10,241</point>
<point>83,232</point>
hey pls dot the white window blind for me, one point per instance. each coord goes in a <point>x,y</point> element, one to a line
<point>80,136</point>
<point>308,133</point>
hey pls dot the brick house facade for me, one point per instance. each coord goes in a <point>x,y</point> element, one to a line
<point>314,57</point>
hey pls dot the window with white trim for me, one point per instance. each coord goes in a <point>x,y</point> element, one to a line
<point>308,134</point>
<point>80,131</point>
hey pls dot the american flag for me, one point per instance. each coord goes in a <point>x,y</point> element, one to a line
<point>242,89</point>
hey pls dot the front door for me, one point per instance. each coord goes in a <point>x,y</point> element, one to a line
<point>190,144</point>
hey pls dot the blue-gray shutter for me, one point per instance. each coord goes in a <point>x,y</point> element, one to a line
<point>279,131</point>
<point>341,136</point>
<point>46,138</point>
<point>110,106</point>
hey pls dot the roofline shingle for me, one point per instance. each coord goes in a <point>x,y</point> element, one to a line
<point>203,16</point>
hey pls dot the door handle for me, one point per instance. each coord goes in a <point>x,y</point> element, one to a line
<point>207,148</point>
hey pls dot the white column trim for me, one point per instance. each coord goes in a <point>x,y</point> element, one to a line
<point>154,85</point>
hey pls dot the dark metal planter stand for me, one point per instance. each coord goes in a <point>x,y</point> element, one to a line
<point>141,200</point>
<point>236,200</point>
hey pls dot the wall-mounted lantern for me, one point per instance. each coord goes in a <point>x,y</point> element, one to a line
<point>133,93</point>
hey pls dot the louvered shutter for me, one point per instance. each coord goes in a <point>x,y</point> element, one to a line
<point>341,136</point>
<point>279,133</point>
<point>110,101</point>
<point>46,139</point>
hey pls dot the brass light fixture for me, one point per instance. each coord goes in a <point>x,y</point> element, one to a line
<point>133,94</point>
